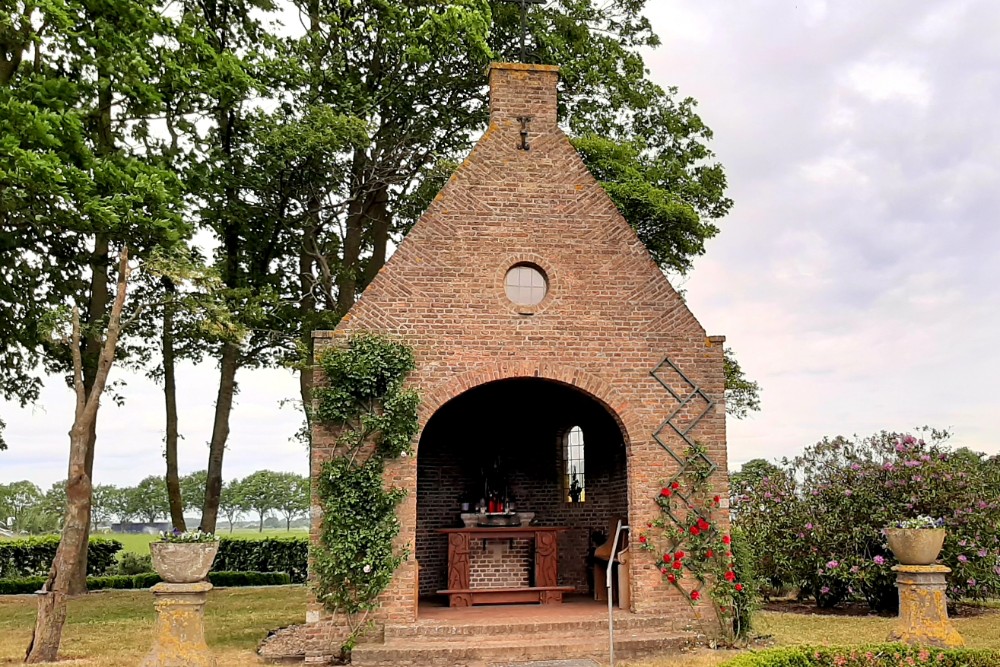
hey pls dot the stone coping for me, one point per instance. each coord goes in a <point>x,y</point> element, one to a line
<point>523,67</point>
<point>922,569</point>
<point>173,589</point>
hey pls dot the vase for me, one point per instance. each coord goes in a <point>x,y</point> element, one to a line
<point>915,546</point>
<point>183,562</point>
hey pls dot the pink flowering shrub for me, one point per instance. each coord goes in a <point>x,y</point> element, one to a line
<point>816,521</point>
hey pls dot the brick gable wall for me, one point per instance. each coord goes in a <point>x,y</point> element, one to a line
<point>608,319</point>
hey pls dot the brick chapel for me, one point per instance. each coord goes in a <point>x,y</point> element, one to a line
<point>560,375</point>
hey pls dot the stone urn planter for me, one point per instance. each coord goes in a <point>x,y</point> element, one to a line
<point>915,546</point>
<point>183,563</point>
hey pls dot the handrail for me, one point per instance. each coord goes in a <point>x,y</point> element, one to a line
<point>611,617</point>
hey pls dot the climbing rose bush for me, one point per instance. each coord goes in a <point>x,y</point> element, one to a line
<point>816,521</point>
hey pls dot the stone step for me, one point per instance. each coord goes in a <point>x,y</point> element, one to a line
<point>495,627</point>
<point>482,652</point>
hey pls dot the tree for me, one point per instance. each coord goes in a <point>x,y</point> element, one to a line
<point>76,97</point>
<point>47,634</point>
<point>149,498</point>
<point>292,496</point>
<point>18,498</point>
<point>122,505</point>
<point>102,507</point>
<point>260,492</point>
<point>231,502</point>
<point>193,489</point>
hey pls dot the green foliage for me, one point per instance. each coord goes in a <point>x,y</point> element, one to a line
<point>33,556</point>
<point>28,585</point>
<point>742,394</point>
<point>746,602</point>
<point>132,563</point>
<point>356,560</point>
<point>149,498</point>
<point>16,500</point>
<point>287,554</point>
<point>365,395</point>
<point>874,655</point>
<point>376,417</point>
<point>260,492</point>
<point>816,522</point>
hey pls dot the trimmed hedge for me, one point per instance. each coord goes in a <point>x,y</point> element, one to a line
<point>32,556</point>
<point>282,554</point>
<point>874,655</point>
<point>27,585</point>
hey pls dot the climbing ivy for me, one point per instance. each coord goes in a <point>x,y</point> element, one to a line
<point>376,419</point>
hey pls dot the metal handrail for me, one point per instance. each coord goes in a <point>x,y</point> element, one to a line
<point>611,617</point>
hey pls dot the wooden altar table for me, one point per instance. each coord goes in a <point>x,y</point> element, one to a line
<point>545,588</point>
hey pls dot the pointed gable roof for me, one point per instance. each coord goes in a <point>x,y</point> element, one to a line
<point>507,205</point>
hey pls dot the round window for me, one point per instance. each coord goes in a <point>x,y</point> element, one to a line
<point>525,285</point>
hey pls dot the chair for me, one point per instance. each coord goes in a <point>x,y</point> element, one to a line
<point>620,577</point>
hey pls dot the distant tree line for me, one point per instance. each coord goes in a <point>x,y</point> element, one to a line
<point>25,508</point>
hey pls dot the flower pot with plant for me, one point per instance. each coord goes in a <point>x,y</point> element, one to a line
<point>184,558</point>
<point>916,541</point>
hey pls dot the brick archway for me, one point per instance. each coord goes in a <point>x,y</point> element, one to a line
<point>588,383</point>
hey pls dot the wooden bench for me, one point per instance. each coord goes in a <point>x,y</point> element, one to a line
<point>466,597</point>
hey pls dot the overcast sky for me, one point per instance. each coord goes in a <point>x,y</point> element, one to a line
<point>857,276</point>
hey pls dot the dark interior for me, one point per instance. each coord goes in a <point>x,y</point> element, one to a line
<point>511,434</point>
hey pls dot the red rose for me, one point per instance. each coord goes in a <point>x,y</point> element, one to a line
<point>703,525</point>
<point>671,578</point>
<point>642,539</point>
<point>665,492</point>
<point>729,554</point>
<point>695,595</point>
<point>675,486</point>
<point>679,555</point>
<point>663,570</point>
<point>666,558</point>
<point>726,539</point>
<point>739,587</point>
<point>709,553</point>
<point>694,530</point>
<point>649,525</point>
<point>716,500</point>
<point>677,565</point>
<point>730,575</point>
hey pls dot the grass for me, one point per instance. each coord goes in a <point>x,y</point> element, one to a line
<point>113,628</point>
<point>139,542</point>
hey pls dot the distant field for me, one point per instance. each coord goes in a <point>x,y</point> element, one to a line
<point>139,543</point>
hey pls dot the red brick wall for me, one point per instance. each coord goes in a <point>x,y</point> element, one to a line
<point>608,319</point>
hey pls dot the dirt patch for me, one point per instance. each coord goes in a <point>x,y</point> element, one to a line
<point>859,609</point>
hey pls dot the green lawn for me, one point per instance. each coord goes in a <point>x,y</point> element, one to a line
<point>114,628</point>
<point>139,543</point>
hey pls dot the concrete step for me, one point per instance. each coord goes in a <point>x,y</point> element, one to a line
<point>500,627</point>
<point>484,651</point>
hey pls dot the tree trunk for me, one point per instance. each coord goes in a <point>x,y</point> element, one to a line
<point>260,527</point>
<point>44,646</point>
<point>173,479</point>
<point>220,434</point>
<point>378,231</point>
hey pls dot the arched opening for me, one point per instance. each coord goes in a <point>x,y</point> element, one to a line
<point>544,446</point>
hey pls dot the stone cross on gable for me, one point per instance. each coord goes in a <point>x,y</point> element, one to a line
<point>524,21</point>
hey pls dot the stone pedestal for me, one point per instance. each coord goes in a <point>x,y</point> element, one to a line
<point>179,635</point>
<point>923,609</point>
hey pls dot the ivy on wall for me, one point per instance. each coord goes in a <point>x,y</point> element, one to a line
<point>376,419</point>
